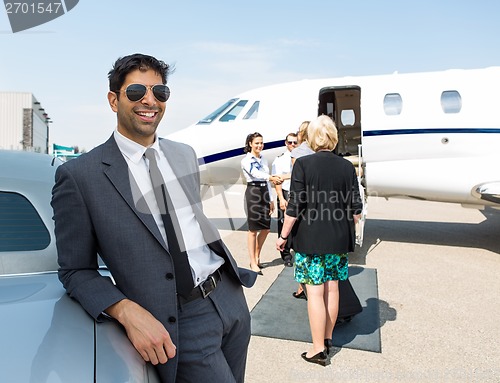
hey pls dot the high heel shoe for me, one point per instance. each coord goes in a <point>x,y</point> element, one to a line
<point>328,345</point>
<point>261,266</point>
<point>256,271</point>
<point>319,358</point>
<point>301,295</point>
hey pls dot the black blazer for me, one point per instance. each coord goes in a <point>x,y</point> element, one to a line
<point>324,196</point>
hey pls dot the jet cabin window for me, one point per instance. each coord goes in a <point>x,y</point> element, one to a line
<point>451,101</point>
<point>212,116</point>
<point>21,228</point>
<point>234,111</point>
<point>393,104</point>
<point>347,117</point>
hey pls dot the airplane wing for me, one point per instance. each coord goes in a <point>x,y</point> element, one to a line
<point>489,191</point>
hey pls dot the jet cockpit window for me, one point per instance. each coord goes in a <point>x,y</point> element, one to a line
<point>253,112</point>
<point>393,104</point>
<point>451,101</point>
<point>212,116</point>
<point>234,111</point>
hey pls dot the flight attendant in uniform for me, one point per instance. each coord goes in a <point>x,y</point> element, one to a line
<point>259,202</point>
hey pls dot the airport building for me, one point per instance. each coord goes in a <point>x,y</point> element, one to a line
<point>24,124</point>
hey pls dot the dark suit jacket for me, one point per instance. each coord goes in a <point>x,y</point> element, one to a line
<point>324,195</point>
<point>94,213</point>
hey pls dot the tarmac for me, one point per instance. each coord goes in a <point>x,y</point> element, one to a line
<point>438,272</point>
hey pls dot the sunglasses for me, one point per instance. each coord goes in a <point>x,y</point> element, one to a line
<point>292,142</point>
<point>136,92</point>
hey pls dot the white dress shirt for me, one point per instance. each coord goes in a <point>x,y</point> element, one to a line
<point>202,259</point>
<point>283,165</point>
<point>256,170</point>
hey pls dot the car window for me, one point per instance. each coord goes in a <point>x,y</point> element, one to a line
<point>21,228</point>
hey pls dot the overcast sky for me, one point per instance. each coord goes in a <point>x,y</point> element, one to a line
<point>222,48</point>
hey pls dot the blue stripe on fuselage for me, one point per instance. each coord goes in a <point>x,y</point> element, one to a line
<point>370,133</point>
<point>235,152</point>
<point>395,132</point>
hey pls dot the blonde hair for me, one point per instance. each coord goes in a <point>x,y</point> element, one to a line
<point>322,134</point>
<point>302,132</point>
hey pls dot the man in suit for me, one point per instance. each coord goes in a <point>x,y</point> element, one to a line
<point>282,166</point>
<point>176,289</point>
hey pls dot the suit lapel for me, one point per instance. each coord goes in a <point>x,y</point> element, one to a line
<point>116,169</point>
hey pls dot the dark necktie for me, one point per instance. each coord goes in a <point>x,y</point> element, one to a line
<point>183,276</point>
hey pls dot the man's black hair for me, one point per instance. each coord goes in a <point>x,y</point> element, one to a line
<point>124,65</point>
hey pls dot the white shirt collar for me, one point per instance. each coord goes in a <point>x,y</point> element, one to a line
<point>131,149</point>
<point>249,154</point>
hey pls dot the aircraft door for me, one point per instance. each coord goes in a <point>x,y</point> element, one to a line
<point>343,105</point>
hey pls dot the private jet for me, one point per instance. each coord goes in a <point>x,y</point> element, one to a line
<point>431,136</point>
